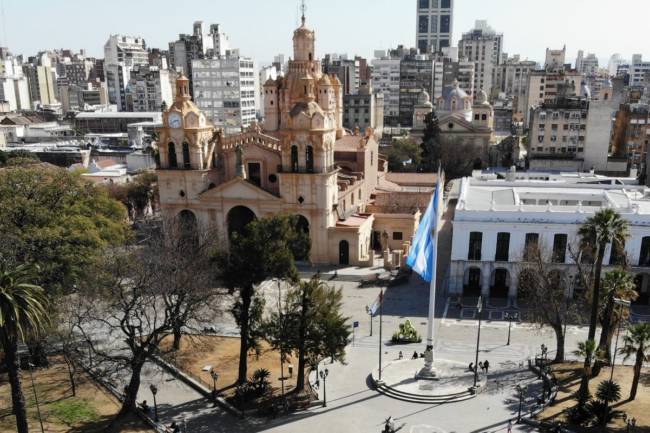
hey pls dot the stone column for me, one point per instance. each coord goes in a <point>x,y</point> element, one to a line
<point>514,280</point>
<point>485,280</point>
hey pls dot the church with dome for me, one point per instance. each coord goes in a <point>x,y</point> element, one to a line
<point>299,161</point>
<point>461,119</point>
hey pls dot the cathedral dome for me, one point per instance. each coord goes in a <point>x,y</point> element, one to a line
<point>454,100</point>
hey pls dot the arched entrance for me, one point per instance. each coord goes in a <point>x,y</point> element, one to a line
<point>302,244</point>
<point>344,253</point>
<point>472,282</point>
<point>500,283</point>
<point>642,282</point>
<point>188,227</point>
<point>238,218</point>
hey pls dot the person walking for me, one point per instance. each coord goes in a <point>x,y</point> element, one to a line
<point>471,367</point>
<point>486,366</point>
<point>480,365</point>
<point>509,426</point>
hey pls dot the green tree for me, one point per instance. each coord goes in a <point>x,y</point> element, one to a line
<point>607,392</point>
<point>23,311</point>
<point>605,227</point>
<point>637,343</point>
<point>314,325</point>
<point>404,155</point>
<point>264,249</point>
<point>17,158</point>
<point>617,284</point>
<point>430,153</point>
<point>57,221</point>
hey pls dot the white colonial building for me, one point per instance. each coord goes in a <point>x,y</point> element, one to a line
<point>496,219</point>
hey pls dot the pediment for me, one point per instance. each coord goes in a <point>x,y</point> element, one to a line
<point>459,125</point>
<point>238,189</point>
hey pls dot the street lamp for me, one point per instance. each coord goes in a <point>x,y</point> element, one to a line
<point>511,318</point>
<point>521,391</point>
<point>479,307</point>
<point>323,375</point>
<point>154,391</point>
<point>215,377</point>
<point>38,408</point>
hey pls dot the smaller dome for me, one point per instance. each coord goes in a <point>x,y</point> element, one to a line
<point>325,80</point>
<point>424,99</point>
<point>481,98</point>
<point>270,83</point>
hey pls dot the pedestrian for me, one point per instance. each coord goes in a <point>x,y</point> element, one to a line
<point>471,366</point>
<point>486,365</point>
<point>145,407</point>
<point>401,355</point>
<point>415,354</point>
<point>509,426</point>
<point>480,365</point>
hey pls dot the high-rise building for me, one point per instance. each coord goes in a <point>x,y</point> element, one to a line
<point>448,68</point>
<point>226,89</point>
<point>483,46</point>
<point>513,81</point>
<point>544,84</point>
<point>638,70</point>
<point>614,62</point>
<point>386,79</point>
<point>364,110</point>
<point>149,87</point>
<point>434,21</point>
<point>121,55</point>
<point>555,59</point>
<point>14,88</point>
<point>347,70</point>
<point>416,75</point>
<point>587,65</point>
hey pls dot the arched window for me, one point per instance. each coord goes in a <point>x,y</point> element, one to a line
<point>310,159</point>
<point>294,158</point>
<point>311,57</point>
<point>171,155</point>
<point>644,256</point>
<point>186,155</point>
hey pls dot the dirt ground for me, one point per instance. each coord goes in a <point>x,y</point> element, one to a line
<point>222,353</point>
<point>568,376</point>
<point>92,408</point>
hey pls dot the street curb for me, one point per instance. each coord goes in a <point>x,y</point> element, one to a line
<point>197,386</point>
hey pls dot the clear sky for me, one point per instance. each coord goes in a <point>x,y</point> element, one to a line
<point>262,28</point>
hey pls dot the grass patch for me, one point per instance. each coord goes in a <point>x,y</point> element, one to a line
<point>73,410</point>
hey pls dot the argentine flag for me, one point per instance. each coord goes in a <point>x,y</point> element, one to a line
<point>422,257</point>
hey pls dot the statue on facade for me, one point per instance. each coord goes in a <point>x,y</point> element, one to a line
<point>239,161</point>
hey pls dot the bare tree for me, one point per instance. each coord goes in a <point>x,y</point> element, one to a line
<point>141,295</point>
<point>546,287</point>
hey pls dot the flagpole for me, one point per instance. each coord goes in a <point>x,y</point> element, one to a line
<point>381,317</point>
<point>428,371</point>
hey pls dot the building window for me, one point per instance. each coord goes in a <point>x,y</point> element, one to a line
<point>445,22</point>
<point>475,245</point>
<point>186,155</point>
<point>531,243</point>
<point>397,236</point>
<point>310,159</point>
<point>255,173</point>
<point>423,26</point>
<point>424,4</point>
<point>484,117</point>
<point>644,256</point>
<point>445,4</point>
<point>171,155</point>
<point>559,248</point>
<point>294,158</point>
<point>503,247</point>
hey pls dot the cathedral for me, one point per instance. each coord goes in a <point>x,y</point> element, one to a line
<point>300,161</point>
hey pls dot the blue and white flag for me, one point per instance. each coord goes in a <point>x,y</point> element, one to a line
<point>422,257</point>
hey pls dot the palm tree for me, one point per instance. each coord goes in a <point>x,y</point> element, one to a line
<point>22,311</point>
<point>617,284</point>
<point>605,227</point>
<point>637,342</point>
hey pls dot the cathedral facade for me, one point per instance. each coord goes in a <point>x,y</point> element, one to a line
<point>300,161</point>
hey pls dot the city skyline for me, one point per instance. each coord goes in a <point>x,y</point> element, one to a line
<point>262,35</point>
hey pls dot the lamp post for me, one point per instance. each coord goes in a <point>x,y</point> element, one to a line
<point>521,391</point>
<point>215,377</point>
<point>511,318</point>
<point>323,375</point>
<point>38,408</point>
<point>479,307</point>
<point>154,391</point>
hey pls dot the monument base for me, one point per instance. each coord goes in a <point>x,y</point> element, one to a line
<point>427,373</point>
